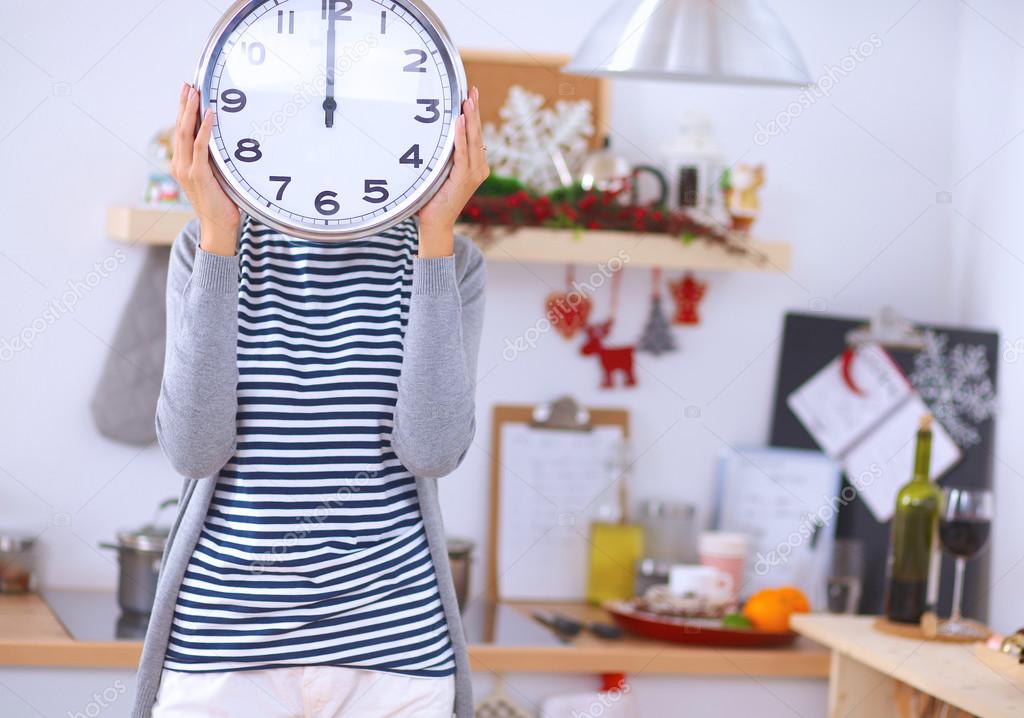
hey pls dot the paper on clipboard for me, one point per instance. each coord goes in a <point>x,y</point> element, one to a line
<point>865,414</point>
<point>552,485</point>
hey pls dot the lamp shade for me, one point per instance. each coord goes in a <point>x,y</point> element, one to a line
<point>716,41</point>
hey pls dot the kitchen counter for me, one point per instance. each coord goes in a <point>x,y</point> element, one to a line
<point>83,629</point>
<point>875,674</point>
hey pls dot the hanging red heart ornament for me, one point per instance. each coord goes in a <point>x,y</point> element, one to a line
<point>568,312</point>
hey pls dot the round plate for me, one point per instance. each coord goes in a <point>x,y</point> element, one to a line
<point>693,631</point>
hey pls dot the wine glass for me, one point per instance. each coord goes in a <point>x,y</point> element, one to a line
<point>964,527</point>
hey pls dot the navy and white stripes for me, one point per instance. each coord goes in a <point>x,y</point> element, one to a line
<point>313,550</point>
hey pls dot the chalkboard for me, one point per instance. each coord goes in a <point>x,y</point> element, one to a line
<point>810,341</point>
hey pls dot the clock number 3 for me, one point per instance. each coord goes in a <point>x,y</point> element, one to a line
<point>432,108</point>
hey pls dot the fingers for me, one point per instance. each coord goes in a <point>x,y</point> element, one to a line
<point>474,133</point>
<point>201,146</point>
<point>461,161</point>
<point>184,135</point>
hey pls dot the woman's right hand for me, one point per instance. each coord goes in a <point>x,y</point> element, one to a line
<point>190,167</point>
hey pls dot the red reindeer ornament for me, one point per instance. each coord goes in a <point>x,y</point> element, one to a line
<point>613,359</point>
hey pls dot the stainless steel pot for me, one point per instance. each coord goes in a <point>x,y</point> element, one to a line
<point>138,554</point>
<point>460,558</point>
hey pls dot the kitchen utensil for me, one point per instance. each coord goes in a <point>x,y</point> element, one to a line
<point>460,558</point>
<point>669,531</point>
<point>499,703</point>
<point>17,563</point>
<point>139,554</point>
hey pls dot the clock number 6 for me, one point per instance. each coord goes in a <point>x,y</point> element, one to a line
<point>326,203</point>
<point>432,108</point>
<point>248,150</point>
<point>377,188</point>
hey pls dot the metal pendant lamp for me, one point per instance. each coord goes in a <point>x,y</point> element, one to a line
<point>715,41</point>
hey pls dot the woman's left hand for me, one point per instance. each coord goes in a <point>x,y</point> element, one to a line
<point>469,170</point>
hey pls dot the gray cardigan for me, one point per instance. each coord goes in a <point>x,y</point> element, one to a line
<point>195,419</point>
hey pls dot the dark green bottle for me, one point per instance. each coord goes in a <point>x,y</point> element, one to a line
<point>912,542</point>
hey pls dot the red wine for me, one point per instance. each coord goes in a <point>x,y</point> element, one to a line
<point>964,536</point>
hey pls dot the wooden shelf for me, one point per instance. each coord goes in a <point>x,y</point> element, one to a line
<point>869,668</point>
<point>32,635</point>
<point>530,245</point>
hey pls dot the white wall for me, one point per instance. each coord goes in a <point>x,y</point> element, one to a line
<point>989,254</point>
<point>852,185</point>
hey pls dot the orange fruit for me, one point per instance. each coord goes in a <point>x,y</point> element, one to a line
<point>797,600</point>
<point>770,609</point>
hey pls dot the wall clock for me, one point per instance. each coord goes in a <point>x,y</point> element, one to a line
<point>334,119</point>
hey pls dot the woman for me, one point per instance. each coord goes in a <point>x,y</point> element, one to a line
<point>312,394</point>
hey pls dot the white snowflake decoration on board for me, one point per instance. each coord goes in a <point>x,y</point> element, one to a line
<point>532,138</point>
<point>956,386</point>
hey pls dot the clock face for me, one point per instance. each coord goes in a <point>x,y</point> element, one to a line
<point>333,118</point>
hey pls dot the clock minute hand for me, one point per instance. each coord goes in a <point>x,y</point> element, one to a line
<point>330,104</point>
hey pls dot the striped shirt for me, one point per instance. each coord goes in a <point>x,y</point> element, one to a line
<point>313,550</point>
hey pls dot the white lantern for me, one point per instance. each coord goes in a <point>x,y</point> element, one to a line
<point>693,165</point>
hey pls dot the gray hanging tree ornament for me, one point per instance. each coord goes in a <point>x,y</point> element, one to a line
<point>956,385</point>
<point>657,336</point>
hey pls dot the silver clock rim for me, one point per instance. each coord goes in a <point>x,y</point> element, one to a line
<point>457,75</point>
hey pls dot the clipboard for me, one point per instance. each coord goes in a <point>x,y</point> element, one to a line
<point>564,427</point>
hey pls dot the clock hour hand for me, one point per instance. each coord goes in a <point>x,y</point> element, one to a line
<point>330,104</point>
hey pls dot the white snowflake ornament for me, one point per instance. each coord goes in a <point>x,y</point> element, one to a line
<point>956,386</point>
<point>539,145</point>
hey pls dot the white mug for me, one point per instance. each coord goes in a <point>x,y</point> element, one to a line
<point>704,582</point>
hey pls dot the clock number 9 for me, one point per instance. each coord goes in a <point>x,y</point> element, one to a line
<point>248,150</point>
<point>432,107</point>
<point>232,100</point>
<point>377,188</point>
<point>326,204</point>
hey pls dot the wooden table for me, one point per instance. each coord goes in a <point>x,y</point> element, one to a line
<point>870,673</point>
<point>508,642</point>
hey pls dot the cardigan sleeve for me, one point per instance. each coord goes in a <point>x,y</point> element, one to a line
<point>195,415</point>
<point>435,415</point>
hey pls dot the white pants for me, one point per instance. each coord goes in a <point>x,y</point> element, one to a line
<point>303,692</point>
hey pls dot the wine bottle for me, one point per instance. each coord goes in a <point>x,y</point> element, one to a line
<point>912,542</point>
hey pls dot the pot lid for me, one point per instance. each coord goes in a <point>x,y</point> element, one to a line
<point>460,546</point>
<point>148,538</point>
